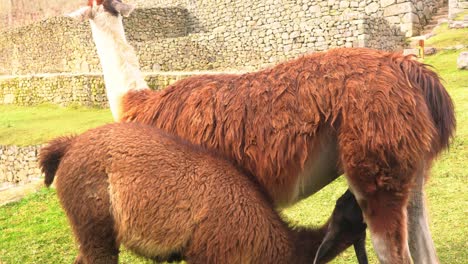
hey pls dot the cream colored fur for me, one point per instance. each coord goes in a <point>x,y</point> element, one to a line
<point>119,62</point>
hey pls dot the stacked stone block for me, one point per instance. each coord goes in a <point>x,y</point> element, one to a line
<point>69,89</point>
<point>18,164</point>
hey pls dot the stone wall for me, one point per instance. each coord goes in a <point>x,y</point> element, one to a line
<point>66,89</point>
<point>18,164</point>
<point>456,7</point>
<point>52,45</point>
<point>60,44</point>
<point>223,34</point>
<point>408,15</point>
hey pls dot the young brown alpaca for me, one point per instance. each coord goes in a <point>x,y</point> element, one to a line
<point>380,118</point>
<point>166,199</point>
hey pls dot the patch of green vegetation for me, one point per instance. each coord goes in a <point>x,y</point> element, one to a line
<point>35,230</point>
<point>30,125</point>
<point>460,16</point>
<point>448,37</point>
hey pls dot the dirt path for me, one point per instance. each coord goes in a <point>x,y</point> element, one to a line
<point>16,193</point>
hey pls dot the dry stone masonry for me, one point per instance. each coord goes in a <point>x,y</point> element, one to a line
<point>205,35</point>
<point>69,89</point>
<point>457,7</point>
<point>18,164</point>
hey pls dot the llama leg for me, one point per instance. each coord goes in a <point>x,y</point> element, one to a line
<point>78,259</point>
<point>360,250</point>
<point>87,207</point>
<point>420,241</point>
<point>381,184</point>
<point>385,214</point>
<point>97,245</point>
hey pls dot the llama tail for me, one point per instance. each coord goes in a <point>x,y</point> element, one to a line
<point>437,98</point>
<point>51,155</point>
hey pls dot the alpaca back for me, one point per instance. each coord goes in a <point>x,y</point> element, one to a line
<point>168,197</point>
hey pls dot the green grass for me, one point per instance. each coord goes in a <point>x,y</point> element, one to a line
<point>21,125</point>
<point>460,16</point>
<point>446,37</point>
<point>35,229</point>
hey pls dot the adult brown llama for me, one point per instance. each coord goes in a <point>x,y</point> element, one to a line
<point>380,118</point>
<point>166,199</point>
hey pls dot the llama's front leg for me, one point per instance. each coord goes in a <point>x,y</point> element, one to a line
<point>420,241</point>
<point>382,191</point>
<point>385,214</point>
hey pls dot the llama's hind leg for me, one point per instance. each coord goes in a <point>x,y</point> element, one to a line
<point>87,207</point>
<point>97,245</point>
<point>420,241</point>
<point>96,238</point>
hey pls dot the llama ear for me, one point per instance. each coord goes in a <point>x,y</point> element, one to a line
<point>326,248</point>
<point>81,14</point>
<point>124,9</point>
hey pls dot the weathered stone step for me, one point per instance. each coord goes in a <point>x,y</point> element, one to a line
<point>439,17</point>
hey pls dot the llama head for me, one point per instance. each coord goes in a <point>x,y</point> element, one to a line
<point>102,10</point>
<point>346,227</point>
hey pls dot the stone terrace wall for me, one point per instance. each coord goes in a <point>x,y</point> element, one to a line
<point>18,164</point>
<point>60,44</point>
<point>408,15</point>
<point>208,34</point>
<point>456,7</point>
<point>53,45</point>
<point>232,34</point>
<point>66,89</point>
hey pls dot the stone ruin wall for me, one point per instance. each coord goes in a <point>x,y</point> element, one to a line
<point>18,164</point>
<point>215,35</point>
<point>69,89</point>
<point>456,7</point>
<point>60,44</point>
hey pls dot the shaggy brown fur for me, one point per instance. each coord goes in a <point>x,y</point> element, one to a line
<point>168,198</point>
<point>265,120</point>
<point>386,116</point>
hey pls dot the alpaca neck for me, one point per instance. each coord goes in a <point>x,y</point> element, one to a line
<point>119,63</point>
<point>307,242</point>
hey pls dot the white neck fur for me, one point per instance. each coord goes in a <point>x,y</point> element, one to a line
<point>118,60</point>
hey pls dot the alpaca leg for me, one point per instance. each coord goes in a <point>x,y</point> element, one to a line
<point>87,207</point>
<point>78,259</point>
<point>97,245</point>
<point>97,241</point>
<point>420,241</point>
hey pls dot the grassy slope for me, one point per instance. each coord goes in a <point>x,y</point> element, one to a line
<point>35,229</point>
<point>446,37</point>
<point>21,125</point>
